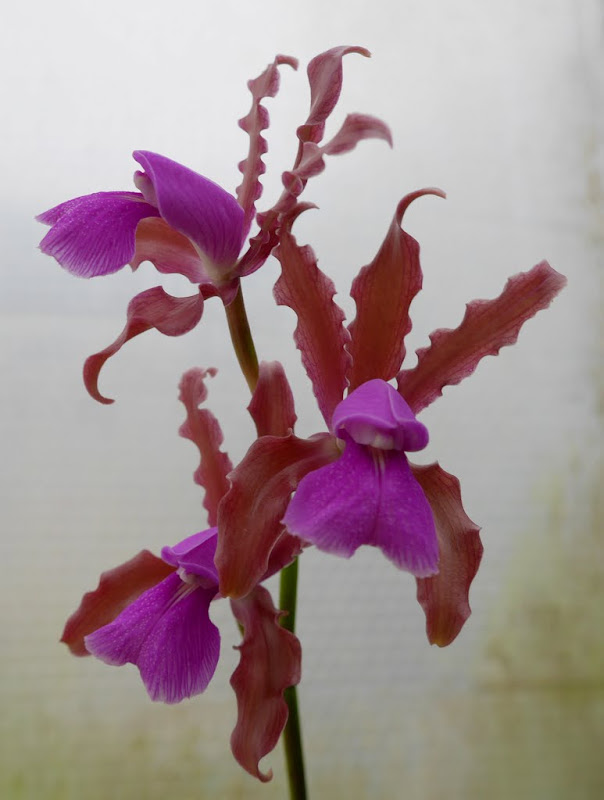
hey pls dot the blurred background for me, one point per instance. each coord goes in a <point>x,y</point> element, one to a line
<point>498,103</point>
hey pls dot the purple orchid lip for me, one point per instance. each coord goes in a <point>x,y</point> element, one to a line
<point>366,497</point>
<point>376,415</point>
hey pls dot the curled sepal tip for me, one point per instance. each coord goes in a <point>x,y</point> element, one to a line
<point>153,308</point>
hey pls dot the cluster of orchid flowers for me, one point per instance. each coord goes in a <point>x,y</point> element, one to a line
<point>347,486</point>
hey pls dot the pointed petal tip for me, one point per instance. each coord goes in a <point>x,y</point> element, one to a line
<point>409,198</point>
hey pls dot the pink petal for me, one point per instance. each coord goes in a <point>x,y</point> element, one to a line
<point>118,587</point>
<point>272,404</point>
<point>366,497</point>
<point>169,251</point>
<point>198,208</point>
<point>257,120</point>
<point>487,326</point>
<point>383,292</point>
<point>203,429</point>
<point>94,234</point>
<point>320,334</point>
<point>249,517</point>
<point>325,78</point>
<point>168,634</point>
<point>153,308</point>
<point>270,662</point>
<point>444,597</point>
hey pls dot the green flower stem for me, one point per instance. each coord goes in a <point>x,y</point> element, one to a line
<point>292,735</point>
<point>241,336</point>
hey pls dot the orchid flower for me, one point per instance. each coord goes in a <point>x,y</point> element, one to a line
<point>353,485</point>
<point>154,613</point>
<point>185,223</point>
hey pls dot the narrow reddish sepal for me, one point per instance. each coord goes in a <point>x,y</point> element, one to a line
<point>444,597</point>
<point>249,517</point>
<point>118,588</point>
<point>320,334</point>
<point>487,326</point>
<point>272,404</point>
<point>325,79</point>
<point>257,120</point>
<point>203,429</point>
<point>383,291</point>
<point>153,308</point>
<point>270,662</point>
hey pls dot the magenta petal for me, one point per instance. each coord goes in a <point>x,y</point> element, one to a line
<point>95,234</point>
<point>195,554</point>
<point>168,634</point>
<point>196,207</point>
<point>366,497</point>
<point>375,414</point>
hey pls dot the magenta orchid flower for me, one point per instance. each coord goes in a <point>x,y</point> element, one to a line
<point>353,485</point>
<point>162,625</point>
<point>390,510</point>
<point>184,223</point>
<point>154,613</point>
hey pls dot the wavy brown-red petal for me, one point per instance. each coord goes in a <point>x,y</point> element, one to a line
<point>383,292</point>
<point>270,662</point>
<point>325,78</point>
<point>487,326</point>
<point>250,514</point>
<point>272,404</point>
<point>203,429</point>
<point>444,597</point>
<point>320,334</point>
<point>257,120</point>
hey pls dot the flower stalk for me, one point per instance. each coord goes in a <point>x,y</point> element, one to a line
<point>292,733</point>
<point>241,336</point>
